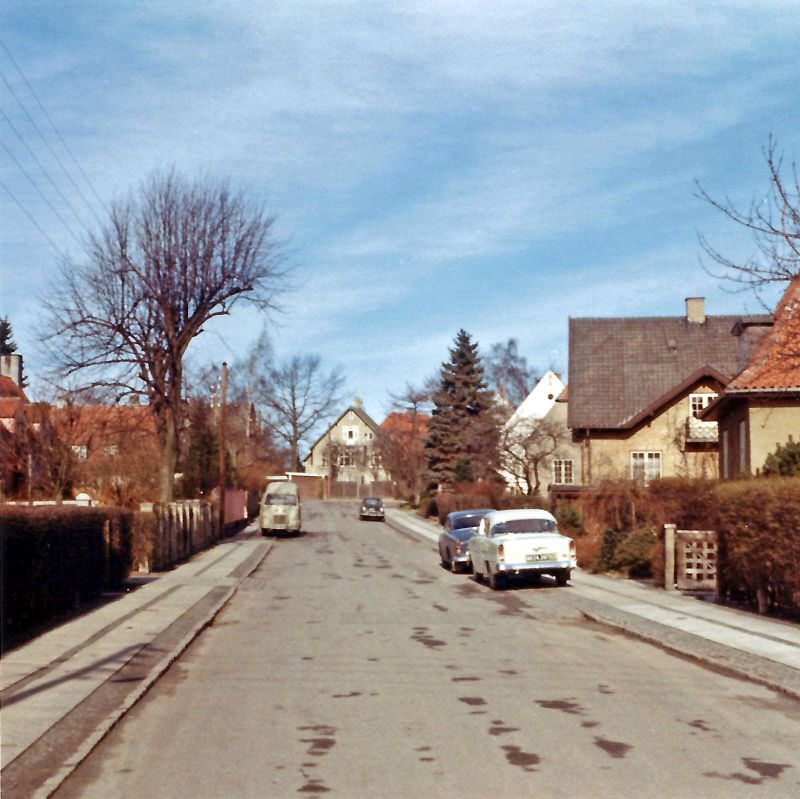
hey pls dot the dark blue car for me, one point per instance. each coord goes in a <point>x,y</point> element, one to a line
<point>458,528</point>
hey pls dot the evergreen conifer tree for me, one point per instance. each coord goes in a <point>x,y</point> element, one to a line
<point>463,430</point>
<point>7,344</point>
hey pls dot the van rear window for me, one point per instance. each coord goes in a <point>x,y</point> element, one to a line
<point>281,499</point>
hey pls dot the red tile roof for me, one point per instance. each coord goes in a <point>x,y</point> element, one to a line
<point>406,423</point>
<point>9,407</point>
<point>8,388</point>
<point>775,366</point>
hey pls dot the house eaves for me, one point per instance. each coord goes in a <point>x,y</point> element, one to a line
<point>655,407</point>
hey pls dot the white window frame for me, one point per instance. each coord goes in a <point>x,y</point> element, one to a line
<point>350,435</point>
<point>346,458</point>
<point>80,451</point>
<point>698,402</point>
<point>646,464</point>
<point>563,468</point>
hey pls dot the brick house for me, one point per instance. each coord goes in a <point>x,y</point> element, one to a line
<point>636,385</point>
<point>760,408</point>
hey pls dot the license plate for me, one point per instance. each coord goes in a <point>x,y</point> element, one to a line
<point>532,558</point>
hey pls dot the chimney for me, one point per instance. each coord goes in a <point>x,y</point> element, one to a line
<point>696,310</point>
<point>11,366</point>
<point>357,401</point>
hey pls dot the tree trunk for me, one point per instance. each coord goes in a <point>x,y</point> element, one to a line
<point>169,457</point>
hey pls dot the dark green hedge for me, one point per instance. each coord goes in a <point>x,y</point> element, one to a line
<point>55,557</point>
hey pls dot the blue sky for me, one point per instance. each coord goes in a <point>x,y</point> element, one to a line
<point>496,166</point>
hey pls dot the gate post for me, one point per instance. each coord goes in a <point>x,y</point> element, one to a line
<point>669,557</point>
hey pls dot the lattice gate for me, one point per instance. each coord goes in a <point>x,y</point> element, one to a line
<point>696,560</point>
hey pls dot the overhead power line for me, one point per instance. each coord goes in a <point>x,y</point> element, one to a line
<point>49,147</point>
<point>52,124</point>
<point>41,167</point>
<point>41,193</point>
<point>32,219</point>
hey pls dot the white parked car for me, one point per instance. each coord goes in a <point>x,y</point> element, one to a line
<point>520,542</point>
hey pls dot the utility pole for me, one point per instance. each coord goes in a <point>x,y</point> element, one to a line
<point>223,388</point>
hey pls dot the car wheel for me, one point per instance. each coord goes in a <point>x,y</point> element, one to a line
<point>562,577</point>
<point>497,582</point>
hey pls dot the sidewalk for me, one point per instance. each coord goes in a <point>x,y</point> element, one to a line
<point>753,647</point>
<point>76,681</point>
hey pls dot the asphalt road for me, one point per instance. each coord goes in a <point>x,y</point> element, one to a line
<point>350,663</point>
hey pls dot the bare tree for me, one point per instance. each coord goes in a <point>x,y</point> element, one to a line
<point>526,447</point>
<point>402,438</point>
<point>166,262</point>
<point>508,373</point>
<point>774,222</point>
<point>295,396</point>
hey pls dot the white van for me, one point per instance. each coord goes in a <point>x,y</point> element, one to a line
<point>280,508</point>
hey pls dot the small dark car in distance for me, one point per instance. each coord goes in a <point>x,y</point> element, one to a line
<point>371,508</point>
<point>458,528</point>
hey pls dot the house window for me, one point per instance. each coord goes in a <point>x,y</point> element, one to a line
<point>697,402</point>
<point>112,450</point>
<point>645,465</point>
<point>350,435</point>
<point>346,458</point>
<point>563,471</point>
<point>80,451</point>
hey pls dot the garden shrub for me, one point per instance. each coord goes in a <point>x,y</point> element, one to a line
<point>634,554</point>
<point>608,546</point>
<point>570,520</point>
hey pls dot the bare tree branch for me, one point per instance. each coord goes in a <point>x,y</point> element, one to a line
<point>774,222</point>
<point>168,260</point>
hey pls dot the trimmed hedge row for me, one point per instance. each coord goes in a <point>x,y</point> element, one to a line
<point>55,557</point>
<point>758,522</point>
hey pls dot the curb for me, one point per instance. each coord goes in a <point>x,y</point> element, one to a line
<point>755,669</point>
<point>87,746</point>
<point>706,653</point>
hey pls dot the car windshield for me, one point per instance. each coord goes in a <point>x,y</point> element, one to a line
<point>524,526</point>
<point>460,523</point>
<point>371,503</point>
<point>281,499</point>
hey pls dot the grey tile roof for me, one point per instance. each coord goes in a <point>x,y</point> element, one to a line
<point>620,366</point>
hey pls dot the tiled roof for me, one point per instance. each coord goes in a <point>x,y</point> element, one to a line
<point>8,388</point>
<point>9,407</point>
<point>406,423</point>
<point>80,423</point>
<point>618,367</point>
<point>776,363</point>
